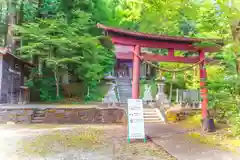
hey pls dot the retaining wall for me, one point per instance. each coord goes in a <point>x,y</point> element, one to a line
<point>64,115</point>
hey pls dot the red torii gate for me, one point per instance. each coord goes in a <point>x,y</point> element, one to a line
<point>172,43</point>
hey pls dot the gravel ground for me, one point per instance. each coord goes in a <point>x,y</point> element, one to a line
<point>82,142</point>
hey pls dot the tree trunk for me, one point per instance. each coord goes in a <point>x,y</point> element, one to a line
<point>21,13</point>
<point>10,43</point>
<point>238,65</point>
<point>40,5</point>
<point>170,92</point>
<point>235,27</point>
<point>57,82</point>
<point>65,77</point>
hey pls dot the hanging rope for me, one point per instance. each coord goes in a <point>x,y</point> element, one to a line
<point>171,70</point>
<point>174,76</point>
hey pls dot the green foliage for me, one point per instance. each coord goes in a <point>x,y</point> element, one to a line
<point>3,24</point>
<point>47,89</point>
<point>66,42</point>
<point>44,85</point>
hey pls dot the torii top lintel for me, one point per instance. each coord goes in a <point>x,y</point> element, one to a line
<point>126,37</point>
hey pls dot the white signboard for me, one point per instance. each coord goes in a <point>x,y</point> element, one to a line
<point>135,119</point>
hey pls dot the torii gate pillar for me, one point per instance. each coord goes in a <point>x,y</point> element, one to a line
<point>203,89</point>
<point>136,72</point>
<point>207,123</point>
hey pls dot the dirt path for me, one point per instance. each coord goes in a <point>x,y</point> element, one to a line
<point>176,142</point>
<point>89,142</point>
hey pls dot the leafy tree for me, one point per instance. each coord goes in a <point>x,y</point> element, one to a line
<point>73,49</point>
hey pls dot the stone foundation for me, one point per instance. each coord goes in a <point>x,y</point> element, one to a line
<point>64,115</point>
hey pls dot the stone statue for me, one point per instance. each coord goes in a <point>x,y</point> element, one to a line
<point>147,97</point>
<point>110,98</point>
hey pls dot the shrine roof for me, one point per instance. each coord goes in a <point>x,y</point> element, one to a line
<point>5,51</point>
<point>156,37</point>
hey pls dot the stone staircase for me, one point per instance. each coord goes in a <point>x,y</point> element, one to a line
<point>152,115</point>
<point>124,87</point>
<point>38,116</point>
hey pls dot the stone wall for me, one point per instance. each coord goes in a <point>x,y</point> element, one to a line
<point>64,115</point>
<point>16,115</point>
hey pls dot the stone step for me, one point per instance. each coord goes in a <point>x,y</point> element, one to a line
<point>124,99</point>
<point>125,96</point>
<point>150,113</point>
<point>39,114</point>
<point>124,92</point>
<point>123,102</point>
<point>40,111</point>
<point>37,121</point>
<point>38,118</point>
<point>124,83</point>
<point>151,118</point>
<point>124,80</point>
<point>149,110</point>
<point>124,88</point>
<point>154,121</point>
<point>128,89</point>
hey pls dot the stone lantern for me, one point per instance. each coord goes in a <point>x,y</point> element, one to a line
<point>160,97</point>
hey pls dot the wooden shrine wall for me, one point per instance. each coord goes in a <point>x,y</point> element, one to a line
<point>12,77</point>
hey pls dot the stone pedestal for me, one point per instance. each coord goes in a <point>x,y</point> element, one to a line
<point>147,96</point>
<point>162,101</point>
<point>161,98</point>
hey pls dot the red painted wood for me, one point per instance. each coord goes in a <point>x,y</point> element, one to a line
<point>152,44</point>
<point>160,44</point>
<point>157,58</point>
<point>203,90</point>
<point>136,72</point>
<point>126,56</point>
<point>117,31</point>
<point>171,52</point>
